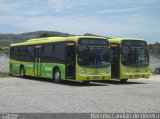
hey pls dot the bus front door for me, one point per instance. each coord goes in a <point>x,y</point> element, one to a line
<point>37,63</point>
<point>115,60</point>
<point>70,61</point>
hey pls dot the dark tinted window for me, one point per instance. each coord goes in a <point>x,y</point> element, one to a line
<point>134,43</point>
<point>30,51</point>
<point>48,50</point>
<point>11,50</point>
<point>22,49</point>
<point>93,42</point>
<point>16,50</point>
<point>59,51</point>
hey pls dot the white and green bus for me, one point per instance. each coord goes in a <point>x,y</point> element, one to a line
<point>129,58</point>
<point>76,58</point>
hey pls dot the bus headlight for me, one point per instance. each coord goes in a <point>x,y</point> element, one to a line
<point>125,70</point>
<point>108,71</point>
<point>82,71</point>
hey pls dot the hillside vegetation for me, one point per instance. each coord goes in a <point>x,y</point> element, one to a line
<point>7,39</point>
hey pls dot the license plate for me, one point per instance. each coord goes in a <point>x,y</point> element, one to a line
<point>95,77</point>
<point>136,76</point>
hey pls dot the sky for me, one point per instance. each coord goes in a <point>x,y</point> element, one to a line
<point>111,18</point>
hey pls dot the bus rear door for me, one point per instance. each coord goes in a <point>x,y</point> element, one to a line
<point>37,63</point>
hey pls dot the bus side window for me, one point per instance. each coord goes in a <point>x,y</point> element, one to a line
<point>30,53</point>
<point>11,52</point>
<point>16,50</point>
<point>22,53</point>
<point>59,52</point>
<point>48,50</point>
<point>16,53</point>
<point>47,53</point>
<point>23,50</point>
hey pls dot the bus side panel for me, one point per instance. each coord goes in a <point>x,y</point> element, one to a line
<point>63,72</point>
<point>47,70</point>
<point>29,68</point>
<point>14,67</point>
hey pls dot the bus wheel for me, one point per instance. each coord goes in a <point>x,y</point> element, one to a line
<point>22,71</point>
<point>57,75</point>
<point>123,80</point>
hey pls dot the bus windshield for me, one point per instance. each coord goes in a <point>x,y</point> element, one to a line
<point>93,55</point>
<point>135,56</point>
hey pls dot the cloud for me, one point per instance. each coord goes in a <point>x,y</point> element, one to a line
<point>118,18</point>
<point>60,5</point>
<point>83,24</point>
<point>123,10</point>
<point>40,7</point>
<point>139,1</point>
<point>18,8</point>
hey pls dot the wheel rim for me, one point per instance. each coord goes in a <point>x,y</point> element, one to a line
<point>57,75</point>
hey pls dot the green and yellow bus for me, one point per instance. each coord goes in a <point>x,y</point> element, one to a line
<point>129,58</point>
<point>76,58</point>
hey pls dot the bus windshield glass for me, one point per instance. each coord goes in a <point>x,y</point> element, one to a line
<point>93,53</point>
<point>134,53</point>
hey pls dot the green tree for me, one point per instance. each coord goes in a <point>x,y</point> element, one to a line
<point>45,35</point>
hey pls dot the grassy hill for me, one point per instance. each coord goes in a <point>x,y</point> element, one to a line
<point>7,39</point>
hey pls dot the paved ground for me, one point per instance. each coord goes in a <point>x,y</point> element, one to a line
<point>32,95</point>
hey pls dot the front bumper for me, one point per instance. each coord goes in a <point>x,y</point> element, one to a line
<point>84,77</point>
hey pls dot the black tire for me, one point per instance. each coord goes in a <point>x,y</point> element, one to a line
<point>57,76</point>
<point>22,71</point>
<point>123,80</point>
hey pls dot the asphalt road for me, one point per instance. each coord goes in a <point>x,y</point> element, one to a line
<point>42,95</point>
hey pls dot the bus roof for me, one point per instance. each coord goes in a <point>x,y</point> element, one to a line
<point>53,39</point>
<point>118,40</point>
